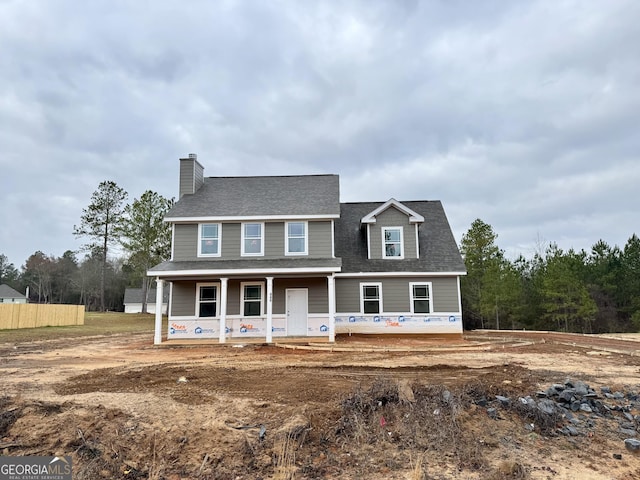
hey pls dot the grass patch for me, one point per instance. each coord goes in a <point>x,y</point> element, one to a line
<point>110,323</point>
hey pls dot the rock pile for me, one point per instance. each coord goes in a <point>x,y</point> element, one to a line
<point>573,408</point>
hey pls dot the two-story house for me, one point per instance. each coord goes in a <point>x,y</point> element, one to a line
<point>280,256</point>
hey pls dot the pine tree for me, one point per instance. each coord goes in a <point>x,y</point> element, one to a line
<point>100,222</point>
<point>146,236</point>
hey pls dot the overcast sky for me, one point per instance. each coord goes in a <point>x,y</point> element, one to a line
<point>525,114</point>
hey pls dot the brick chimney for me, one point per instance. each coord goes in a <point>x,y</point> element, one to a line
<point>191,175</point>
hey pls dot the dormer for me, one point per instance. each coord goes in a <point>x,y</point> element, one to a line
<point>392,231</point>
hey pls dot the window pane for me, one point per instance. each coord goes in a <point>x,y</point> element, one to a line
<point>252,246</point>
<point>371,306</point>
<point>208,309</point>
<point>296,245</point>
<point>209,246</point>
<point>251,309</point>
<point>208,293</point>
<point>421,306</point>
<point>393,250</point>
<point>392,235</point>
<point>420,291</point>
<point>210,231</point>
<point>253,230</point>
<point>370,291</point>
<point>253,238</point>
<point>252,292</point>
<point>296,229</point>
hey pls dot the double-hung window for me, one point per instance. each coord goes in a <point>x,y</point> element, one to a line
<point>371,298</point>
<point>392,246</point>
<point>252,299</point>
<point>207,299</point>
<point>209,243</point>
<point>296,241</point>
<point>253,239</point>
<point>420,297</point>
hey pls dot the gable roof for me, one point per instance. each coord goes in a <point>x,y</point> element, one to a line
<point>250,197</point>
<point>7,292</point>
<point>438,249</point>
<point>413,216</point>
<point>134,295</point>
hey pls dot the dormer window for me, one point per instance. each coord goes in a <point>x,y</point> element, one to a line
<point>392,242</point>
<point>385,228</point>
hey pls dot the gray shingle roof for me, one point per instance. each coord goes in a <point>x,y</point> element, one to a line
<point>134,295</point>
<point>244,264</point>
<point>261,196</point>
<point>7,292</point>
<point>438,249</point>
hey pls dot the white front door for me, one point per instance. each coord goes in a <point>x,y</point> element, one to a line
<point>297,310</point>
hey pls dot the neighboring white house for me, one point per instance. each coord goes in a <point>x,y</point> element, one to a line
<point>9,295</point>
<point>133,300</point>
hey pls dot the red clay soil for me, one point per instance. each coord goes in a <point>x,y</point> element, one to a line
<point>376,408</point>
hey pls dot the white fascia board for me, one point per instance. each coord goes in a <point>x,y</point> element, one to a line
<point>399,274</point>
<point>242,271</point>
<point>413,216</point>
<point>248,218</point>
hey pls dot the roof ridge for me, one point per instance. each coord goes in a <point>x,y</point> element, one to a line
<point>276,176</point>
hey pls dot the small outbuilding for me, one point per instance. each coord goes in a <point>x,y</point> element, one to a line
<point>9,295</point>
<point>133,300</point>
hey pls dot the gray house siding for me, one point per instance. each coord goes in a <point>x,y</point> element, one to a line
<point>186,241</point>
<point>185,244</point>
<point>183,301</point>
<point>233,297</point>
<point>317,287</point>
<point>186,177</point>
<point>274,240</point>
<point>348,295</point>
<point>231,236</point>
<point>445,294</point>
<point>395,293</point>
<point>392,217</point>
<point>320,240</point>
<point>191,176</point>
<point>184,295</point>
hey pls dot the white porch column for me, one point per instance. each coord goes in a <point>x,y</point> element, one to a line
<point>157,335</point>
<point>269,309</point>
<point>331,290</point>
<point>223,310</point>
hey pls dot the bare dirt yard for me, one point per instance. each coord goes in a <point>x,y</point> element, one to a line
<point>493,405</point>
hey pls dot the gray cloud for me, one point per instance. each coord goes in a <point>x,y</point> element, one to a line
<point>522,114</point>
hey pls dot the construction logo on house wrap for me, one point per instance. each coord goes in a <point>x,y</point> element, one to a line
<point>35,468</point>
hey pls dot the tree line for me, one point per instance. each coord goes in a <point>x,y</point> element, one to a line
<point>92,276</point>
<point>573,291</point>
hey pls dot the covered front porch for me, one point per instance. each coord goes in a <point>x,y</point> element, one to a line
<point>247,308</point>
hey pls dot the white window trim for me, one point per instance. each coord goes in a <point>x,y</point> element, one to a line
<point>219,253</point>
<point>173,240</point>
<point>411,298</point>
<point>207,284</point>
<point>286,239</point>
<point>384,250</point>
<point>262,297</point>
<point>262,230</point>
<point>380,304</point>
